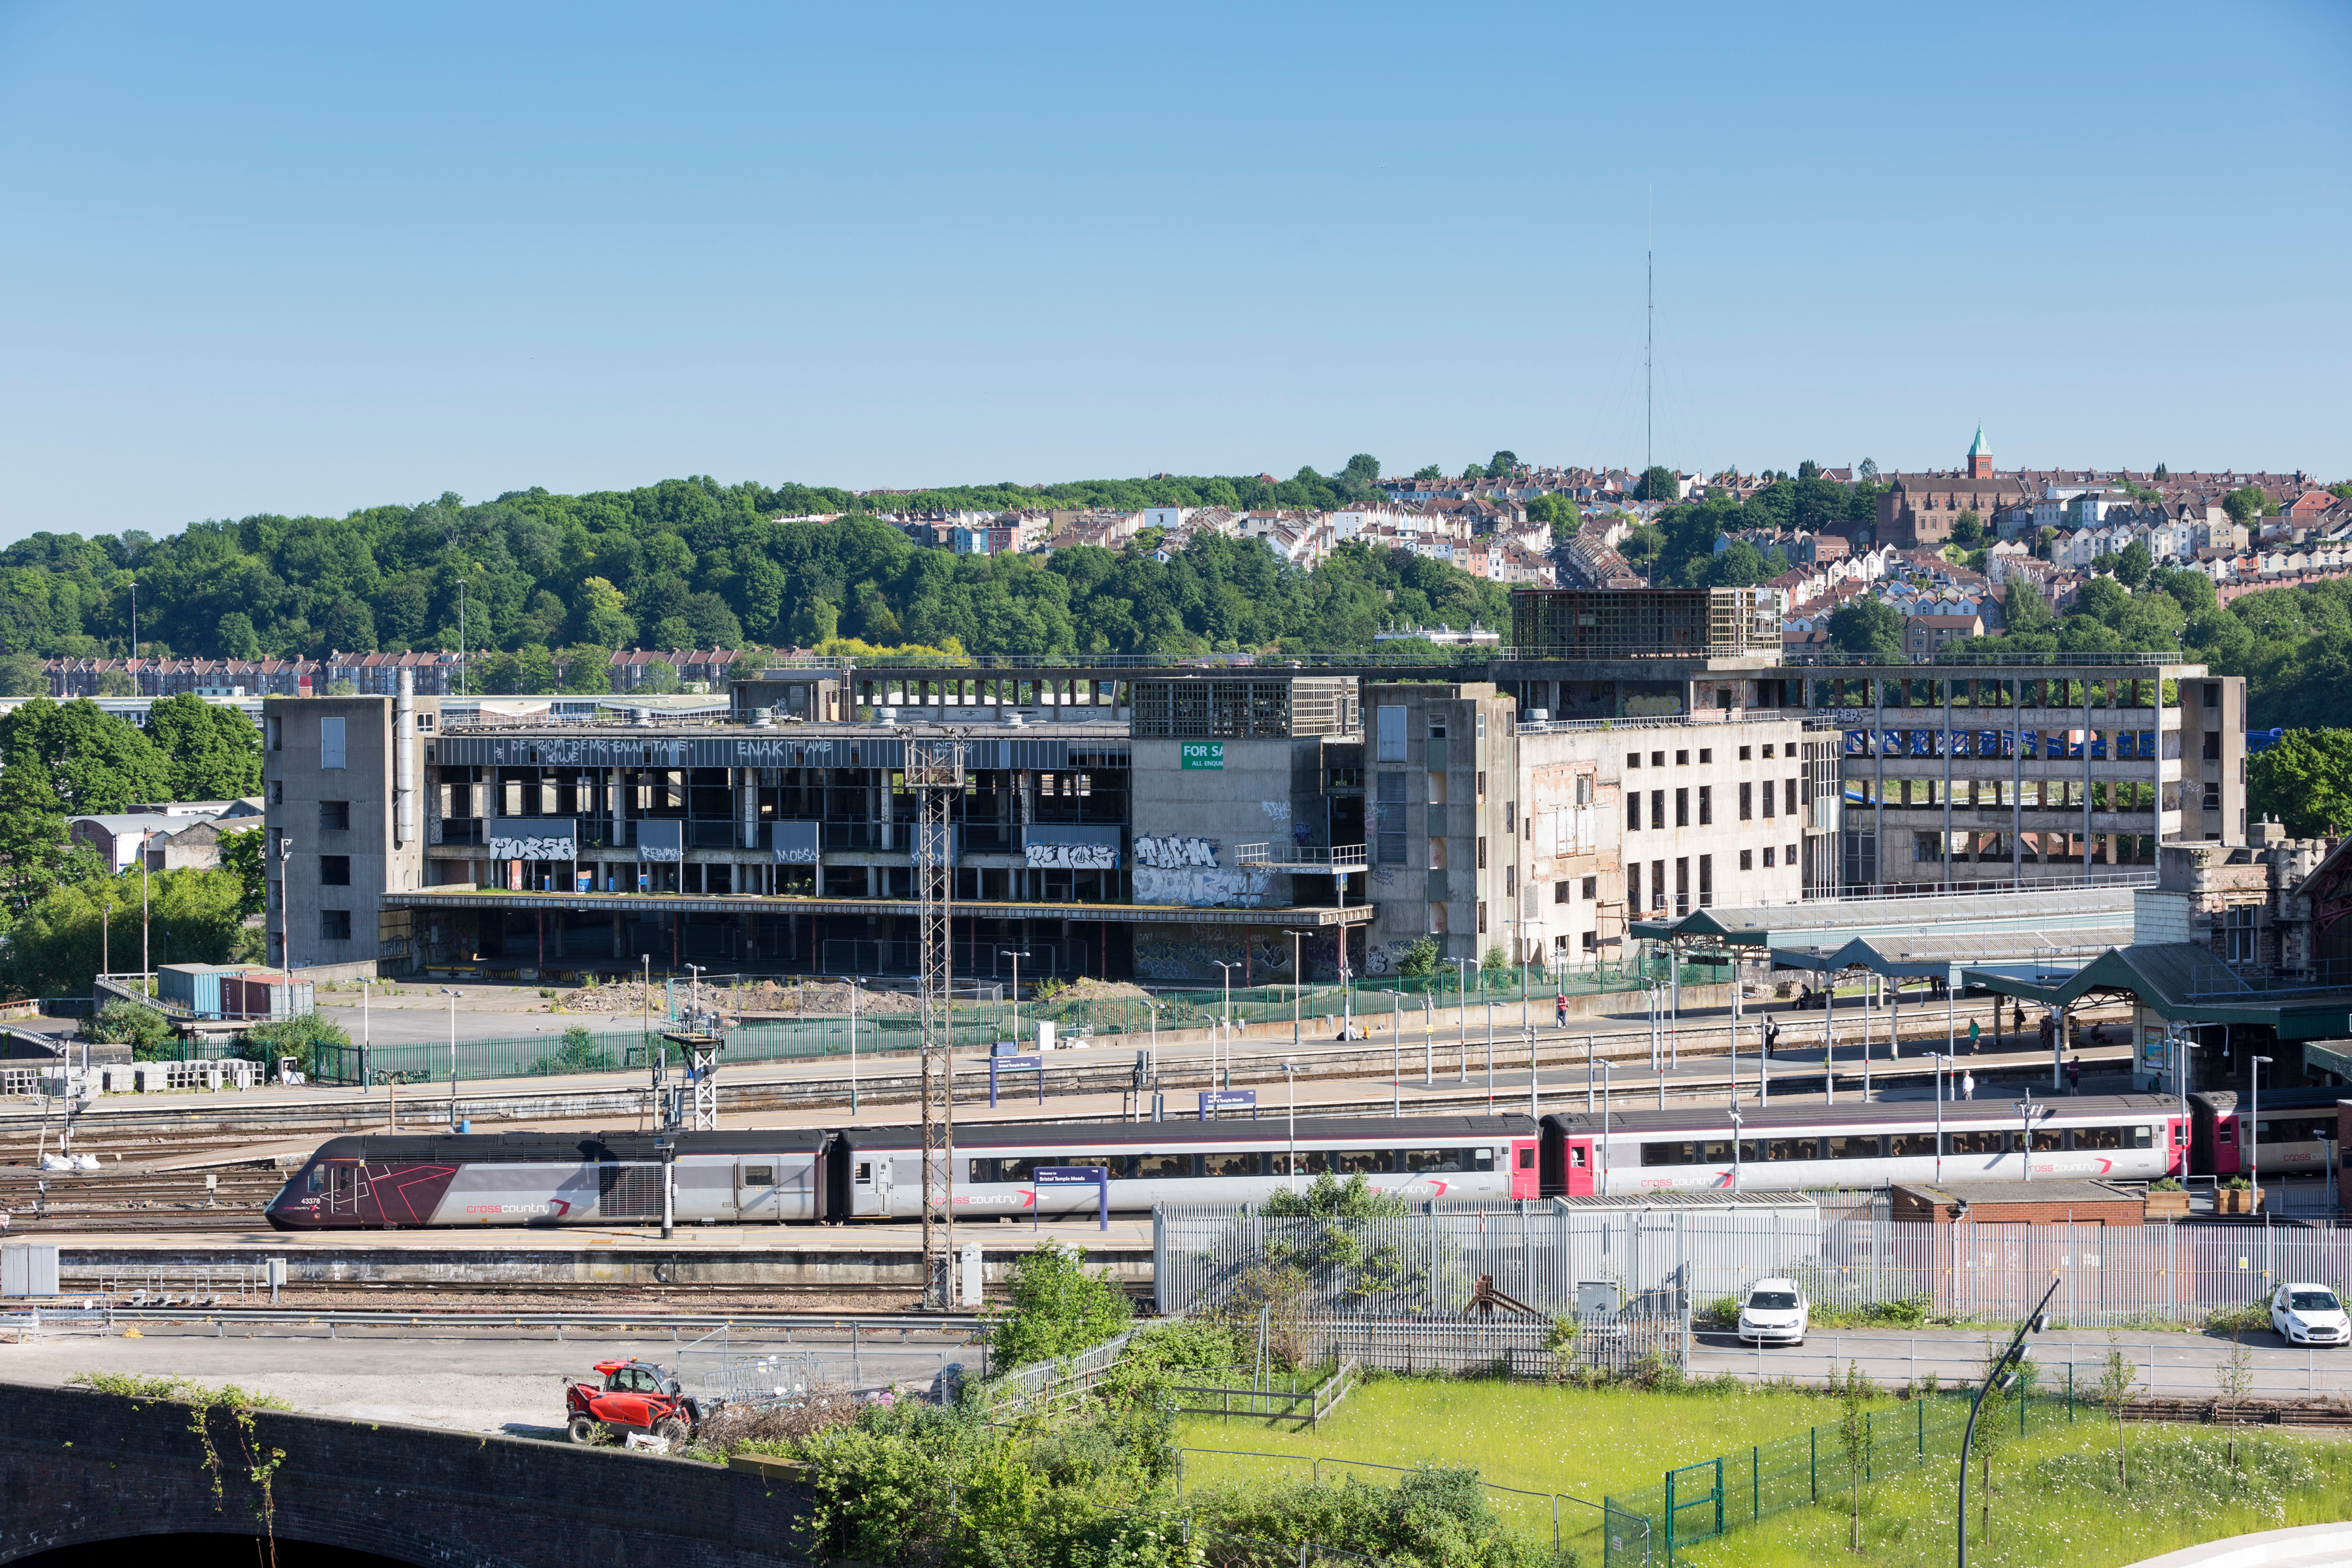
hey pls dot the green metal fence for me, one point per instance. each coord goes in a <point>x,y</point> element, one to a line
<point>1698,1502</point>
<point>594,1043</point>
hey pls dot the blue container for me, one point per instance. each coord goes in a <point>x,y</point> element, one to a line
<point>195,986</point>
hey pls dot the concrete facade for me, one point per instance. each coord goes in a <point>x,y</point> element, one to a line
<point>332,786</point>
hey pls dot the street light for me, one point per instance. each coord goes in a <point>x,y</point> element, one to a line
<point>1734,1148</point>
<point>1396,1054</point>
<point>2254,1066</point>
<point>1290,1071</point>
<point>2025,1110</point>
<point>665,1146</point>
<point>451,992</point>
<point>1229,969</point>
<point>1016,958</point>
<point>854,983</point>
<point>1297,976</point>
<point>2000,1375</point>
<point>284,909</point>
<point>461,638</point>
<point>693,994</point>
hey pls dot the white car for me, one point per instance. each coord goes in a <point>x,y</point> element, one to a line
<point>2305,1314</point>
<point>1774,1314</point>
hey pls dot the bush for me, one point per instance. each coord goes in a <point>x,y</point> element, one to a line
<point>120,1023</point>
<point>578,1053</point>
<point>296,1037</point>
<point>1059,1310</point>
<point>1419,957</point>
<point>1159,1357</point>
<point>2165,1185</point>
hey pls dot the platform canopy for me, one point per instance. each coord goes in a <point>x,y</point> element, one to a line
<point>2032,933</point>
<point>2184,982</point>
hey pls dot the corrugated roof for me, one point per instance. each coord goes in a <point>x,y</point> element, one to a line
<point>1824,922</point>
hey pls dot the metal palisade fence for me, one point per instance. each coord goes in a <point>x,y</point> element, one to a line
<point>1563,1257</point>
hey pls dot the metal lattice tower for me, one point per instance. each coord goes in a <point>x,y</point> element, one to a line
<point>934,772</point>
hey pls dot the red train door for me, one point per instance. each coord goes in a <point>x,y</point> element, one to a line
<point>1527,1178</point>
<point>2227,1131</point>
<point>2177,1162</point>
<point>1578,1174</point>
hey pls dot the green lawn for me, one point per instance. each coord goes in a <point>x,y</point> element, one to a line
<point>2057,1504</point>
<point>1581,1442</point>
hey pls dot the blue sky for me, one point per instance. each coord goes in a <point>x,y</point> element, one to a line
<point>308,258</point>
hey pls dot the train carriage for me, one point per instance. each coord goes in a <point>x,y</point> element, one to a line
<point>878,1172</point>
<point>2131,1137</point>
<point>2294,1136</point>
<point>405,1180</point>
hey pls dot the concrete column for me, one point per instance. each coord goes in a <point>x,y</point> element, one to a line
<point>618,951</point>
<point>747,800</point>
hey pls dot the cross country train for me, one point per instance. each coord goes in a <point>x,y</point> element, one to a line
<point>815,1176</point>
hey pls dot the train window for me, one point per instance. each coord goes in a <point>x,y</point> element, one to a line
<point>1242,1163</point>
<point>2048,1140</point>
<point>2143,1136</point>
<point>865,1171</point>
<point>2227,1131</point>
<point>1017,1170</point>
<point>1751,1150</point>
<point>1163,1167</point>
<point>1900,1145</point>
<point>1793,1149</point>
<point>1483,1159</point>
<point>2099,1137</point>
<point>980,1172</point>
<point>318,1177</point>
<point>1575,1155</point>
<point>759,1175</point>
<point>1669,1154</point>
<point>1362,1162</point>
<point>1115,1166</point>
<point>2294,1129</point>
<point>1415,1160</point>
<point>1715,1152</point>
<point>1986,1141</point>
<point>1859,1146</point>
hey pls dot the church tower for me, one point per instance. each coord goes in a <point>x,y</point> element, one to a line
<point>1980,456</point>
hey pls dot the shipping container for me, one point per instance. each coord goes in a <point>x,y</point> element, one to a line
<point>195,986</point>
<point>266,994</point>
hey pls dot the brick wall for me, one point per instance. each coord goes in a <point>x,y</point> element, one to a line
<point>78,1467</point>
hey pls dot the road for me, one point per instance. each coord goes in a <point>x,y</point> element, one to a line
<point>466,1381</point>
<point>2179,1366</point>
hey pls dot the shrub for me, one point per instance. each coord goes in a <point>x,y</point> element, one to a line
<point>1419,957</point>
<point>2165,1185</point>
<point>578,1053</point>
<point>1058,1308</point>
<point>120,1023</point>
<point>296,1037</point>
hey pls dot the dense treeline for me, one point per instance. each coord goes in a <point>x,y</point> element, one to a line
<point>691,563</point>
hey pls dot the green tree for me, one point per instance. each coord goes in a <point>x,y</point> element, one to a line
<point>1854,1391</point>
<point>62,937</point>
<point>1869,625</point>
<point>236,639</point>
<point>21,675</point>
<point>1429,471</point>
<point>659,679</point>
<point>2304,781</point>
<point>1329,1197</point>
<point>1501,465</point>
<point>215,751</point>
<point>600,615</point>
<point>350,627</point>
<point>1472,472</point>
<point>1968,529</point>
<point>1658,484</point>
<point>1057,1309</point>
<point>2133,565</point>
<point>240,857</point>
<point>587,669</point>
<point>1419,957</point>
<point>2119,1381</point>
<point>2162,472</point>
<point>2246,503</point>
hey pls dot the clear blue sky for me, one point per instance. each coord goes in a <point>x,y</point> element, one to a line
<point>310,257</point>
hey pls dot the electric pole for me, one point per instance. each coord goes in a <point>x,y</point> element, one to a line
<point>934,773</point>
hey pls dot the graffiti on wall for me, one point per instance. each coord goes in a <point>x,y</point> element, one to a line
<point>1073,857</point>
<point>533,848</point>
<point>1171,852</point>
<point>1202,888</point>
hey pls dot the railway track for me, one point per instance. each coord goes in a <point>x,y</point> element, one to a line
<point>188,1124</point>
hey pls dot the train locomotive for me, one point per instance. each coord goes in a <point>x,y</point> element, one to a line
<point>820,1176</point>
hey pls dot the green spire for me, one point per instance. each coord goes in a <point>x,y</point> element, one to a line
<point>1978,449</point>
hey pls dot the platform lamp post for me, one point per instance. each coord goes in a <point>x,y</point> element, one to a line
<point>2001,1374</point>
<point>693,993</point>
<point>855,982</point>
<point>1229,969</point>
<point>284,909</point>
<point>2025,1110</point>
<point>1016,958</point>
<point>2254,1066</point>
<point>451,992</point>
<point>1297,976</point>
<point>665,1146</point>
<point>1290,1071</point>
<point>1734,1148</point>
<point>1396,1054</point>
